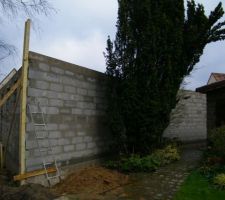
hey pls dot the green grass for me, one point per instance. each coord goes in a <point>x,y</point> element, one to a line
<point>196,187</point>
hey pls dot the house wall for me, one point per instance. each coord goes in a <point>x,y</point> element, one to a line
<point>73,100</point>
<point>6,114</point>
<point>188,119</point>
<point>215,108</point>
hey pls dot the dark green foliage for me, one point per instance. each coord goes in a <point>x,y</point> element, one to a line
<point>217,141</point>
<point>156,46</point>
<point>210,171</point>
<point>214,158</point>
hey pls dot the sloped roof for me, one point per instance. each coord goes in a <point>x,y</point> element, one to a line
<point>216,81</point>
<point>211,87</point>
<point>216,77</point>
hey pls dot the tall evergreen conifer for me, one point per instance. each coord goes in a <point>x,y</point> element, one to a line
<point>156,46</point>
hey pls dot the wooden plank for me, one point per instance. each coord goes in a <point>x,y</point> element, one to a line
<point>33,173</point>
<point>23,102</point>
<point>9,93</point>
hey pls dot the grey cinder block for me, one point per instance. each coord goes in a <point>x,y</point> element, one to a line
<point>56,87</point>
<point>57,70</point>
<point>80,146</point>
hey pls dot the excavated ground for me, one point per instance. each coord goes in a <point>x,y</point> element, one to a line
<point>92,180</point>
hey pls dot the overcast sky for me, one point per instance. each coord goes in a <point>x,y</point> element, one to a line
<point>78,31</point>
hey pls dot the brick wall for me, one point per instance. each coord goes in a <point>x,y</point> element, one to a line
<point>73,100</point>
<point>188,119</point>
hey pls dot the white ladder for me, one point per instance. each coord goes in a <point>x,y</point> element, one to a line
<point>38,120</point>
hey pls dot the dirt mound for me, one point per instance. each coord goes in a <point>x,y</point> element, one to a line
<point>26,192</point>
<point>92,180</point>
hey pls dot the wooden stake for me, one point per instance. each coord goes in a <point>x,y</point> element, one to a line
<point>23,104</point>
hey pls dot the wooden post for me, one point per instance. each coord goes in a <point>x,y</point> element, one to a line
<point>23,102</point>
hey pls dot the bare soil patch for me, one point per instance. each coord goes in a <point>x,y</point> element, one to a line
<point>9,190</point>
<point>93,180</point>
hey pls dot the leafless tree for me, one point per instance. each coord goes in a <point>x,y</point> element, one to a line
<point>14,8</point>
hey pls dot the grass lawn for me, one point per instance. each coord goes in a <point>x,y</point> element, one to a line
<point>196,187</point>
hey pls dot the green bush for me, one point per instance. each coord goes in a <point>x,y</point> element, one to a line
<point>219,180</point>
<point>136,163</point>
<point>217,140</point>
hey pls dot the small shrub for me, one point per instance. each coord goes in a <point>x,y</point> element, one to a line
<point>217,140</point>
<point>219,180</point>
<point>171,153</point>
<point>136,163</point>
<point>133,163</point>
<point>210,170</point>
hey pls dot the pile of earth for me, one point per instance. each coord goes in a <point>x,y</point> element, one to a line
<point>93,180</point>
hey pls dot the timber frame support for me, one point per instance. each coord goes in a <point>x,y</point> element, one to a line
<point>23,105</point>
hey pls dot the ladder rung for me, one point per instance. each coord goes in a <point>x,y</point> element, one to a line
<point>51,177</point>
<point>39,124</point>
<point>49,163</point>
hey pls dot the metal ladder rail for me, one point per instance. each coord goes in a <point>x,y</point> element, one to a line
<point>49,146</point>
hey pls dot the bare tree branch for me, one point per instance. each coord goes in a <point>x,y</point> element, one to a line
<point>14,8</point>
<point>6,50</point>
<point>29,7</point>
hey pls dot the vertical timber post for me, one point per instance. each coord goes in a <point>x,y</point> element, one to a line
<point>23,110</point>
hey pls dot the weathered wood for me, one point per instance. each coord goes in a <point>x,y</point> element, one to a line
<point>10,92</point>
<point>23,104</point>
<point>33,173</point>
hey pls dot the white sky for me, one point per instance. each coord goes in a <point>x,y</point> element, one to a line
<point>78,32</point>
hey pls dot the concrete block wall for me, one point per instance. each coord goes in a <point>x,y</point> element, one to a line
<point>188,119</point>
<point>73,100</point>
<point>6,114</point>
